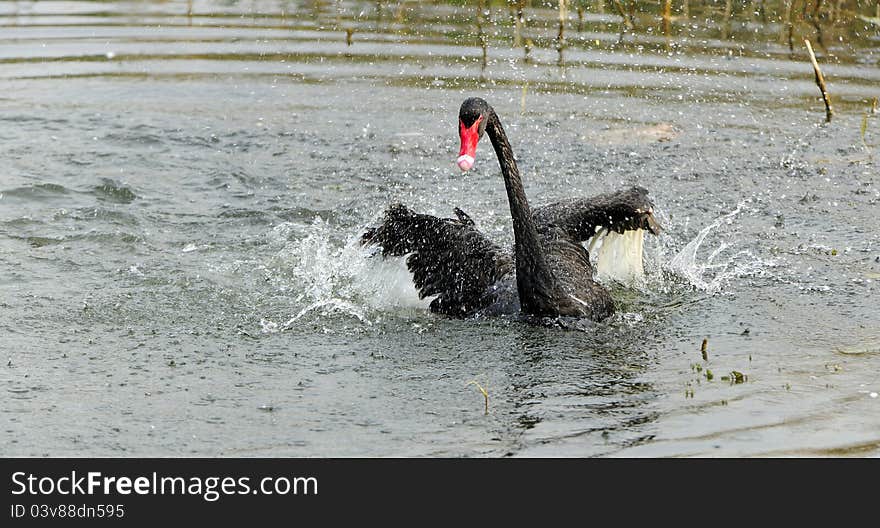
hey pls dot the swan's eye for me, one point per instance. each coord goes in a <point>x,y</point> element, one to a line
<point>470,136</point>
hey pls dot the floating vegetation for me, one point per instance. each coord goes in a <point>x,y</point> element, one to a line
<point>735,377</point>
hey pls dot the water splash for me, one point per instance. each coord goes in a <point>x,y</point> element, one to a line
<point>715,272</point>
<point>331,273</point>
<point>326,306</point>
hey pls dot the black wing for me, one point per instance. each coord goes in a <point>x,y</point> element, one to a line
<point>618,211</point>
<point>448,257</point>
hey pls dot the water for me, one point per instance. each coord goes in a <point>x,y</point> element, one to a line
<point>183,186</point>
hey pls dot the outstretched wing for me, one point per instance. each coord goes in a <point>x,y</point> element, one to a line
<point>448,257</point>
<point>618,211</point>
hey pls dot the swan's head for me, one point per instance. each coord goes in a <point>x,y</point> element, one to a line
<point>471,127</point>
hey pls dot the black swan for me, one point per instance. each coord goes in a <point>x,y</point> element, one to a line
<point>549,273</point>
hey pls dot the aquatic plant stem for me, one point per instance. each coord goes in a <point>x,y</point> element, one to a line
<point>560,36</point>
<point>481,34</point>
<point>667,17</point>
<point>484,391</point>
<point>518,9</point>
<point>627,21</point>
<point>820,82</point>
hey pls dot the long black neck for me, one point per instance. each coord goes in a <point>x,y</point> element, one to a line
<point>534,280</point>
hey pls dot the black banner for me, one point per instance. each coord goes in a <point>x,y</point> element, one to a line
<point>64,491</point>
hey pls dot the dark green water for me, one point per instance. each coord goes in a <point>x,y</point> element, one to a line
<point>180,197</point>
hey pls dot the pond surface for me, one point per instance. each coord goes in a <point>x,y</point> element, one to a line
<point>183,185</point>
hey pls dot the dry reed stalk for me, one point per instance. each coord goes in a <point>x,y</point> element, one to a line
<point>820,82</point>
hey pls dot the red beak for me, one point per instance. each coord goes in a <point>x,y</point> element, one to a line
<point>469,138</point>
